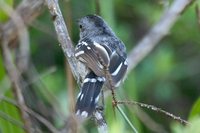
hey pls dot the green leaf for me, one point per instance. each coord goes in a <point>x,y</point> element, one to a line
<point>195,111</point>
<point>3,15</point>
<point>11,111</point>
<point>192,128</point>
<point>8,109</point>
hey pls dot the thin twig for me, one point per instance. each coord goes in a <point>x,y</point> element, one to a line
<point>63,36</point>
<point>10,67</point>
<point>69,75</point>
<point>42,120</point>
<point>143,105</point>
<point>34,76</point>
<point>114,100</point>
<point>126,118</point>
<point>6,116</point>
<point>28,10</point>
<point>148,121</point>
<point>67,47</point>
<point>146,45</point>
<point>22,54</point>
<point>197,14</point>
<point>143,48</point>
<point>160,30</point>
<point>8,100</point>
<point>37,77</point>
<point>11,120</point>
<point>43,27</point>
<point>33,113</point>
<point>112,88</point>
<point>97,7</point>
<point>15,79</point>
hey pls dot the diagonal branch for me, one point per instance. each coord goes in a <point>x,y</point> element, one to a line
<point>30,111</point>
<point>13,73</point>
<point>25,13</point>
<point>68,49</point>
<point>143,105</point>
<point>63,36</point>
<point>160,30</point>
<point>15,79</point>
<point>28,10</point>
<point>11,120</point>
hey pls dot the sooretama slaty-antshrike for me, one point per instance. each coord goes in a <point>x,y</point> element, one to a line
<point>98,49</point>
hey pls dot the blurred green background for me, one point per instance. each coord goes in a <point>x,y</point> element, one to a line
<point>169,77</point>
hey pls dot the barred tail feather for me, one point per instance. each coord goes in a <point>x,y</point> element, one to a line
<point>89,95</point>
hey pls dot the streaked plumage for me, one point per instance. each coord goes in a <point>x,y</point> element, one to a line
<point>98,48</point>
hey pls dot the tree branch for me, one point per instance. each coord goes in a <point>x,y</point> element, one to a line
<point>143,105</point>
<point>13,73</point>
<point>28,10</point>
<point>24,14</point>
<point>68,49</point>
<point>11,120</point>
<point>15,79</point>
<point>64,39</point>
<point>160,30</point>
<point>30,111</point>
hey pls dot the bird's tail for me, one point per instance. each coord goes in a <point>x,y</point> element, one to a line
<point>88,97</point>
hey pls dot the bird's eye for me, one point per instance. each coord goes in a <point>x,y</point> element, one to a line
<point>80,26</point>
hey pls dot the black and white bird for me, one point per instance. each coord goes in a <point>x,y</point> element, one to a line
<point>98,48</point>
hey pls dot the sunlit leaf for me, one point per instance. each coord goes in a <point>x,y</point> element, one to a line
<point>193,127</point>
<point>3,14</point>
<point>195,111</point>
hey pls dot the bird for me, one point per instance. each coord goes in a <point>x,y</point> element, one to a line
<point>98,49</point>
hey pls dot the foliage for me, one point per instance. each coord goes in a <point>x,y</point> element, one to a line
<point>195,111</point>
<point>192,128</point>
<point>3,15</point>
<point>6,108</point>
<point>168,78</point>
